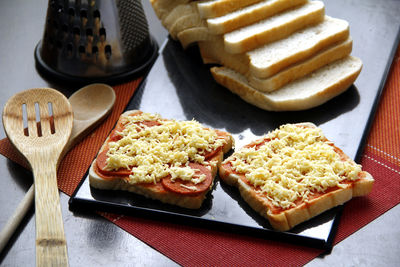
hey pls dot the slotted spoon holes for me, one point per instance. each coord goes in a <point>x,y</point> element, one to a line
<point>38,119</point>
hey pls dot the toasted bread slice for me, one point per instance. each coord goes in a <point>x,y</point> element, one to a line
<point>249,15</point>
<point>217,8</point>
<point>310,91</point>
<point>274,28</point>
<point>158,172</point>
<point>286,183</point>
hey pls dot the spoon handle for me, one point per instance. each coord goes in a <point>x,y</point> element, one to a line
<point>51,245</point>
<point>23,207</point>
<point>16,218</point>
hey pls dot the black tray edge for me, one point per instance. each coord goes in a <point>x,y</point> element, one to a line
<point>377,99</point>
<point>84,205</point>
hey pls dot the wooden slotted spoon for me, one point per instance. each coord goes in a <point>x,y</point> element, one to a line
<point>91,105</point>
<point>42,145</point>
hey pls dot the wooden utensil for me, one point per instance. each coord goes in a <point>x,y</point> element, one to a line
<point>91,105</point>
<point>49,119</point>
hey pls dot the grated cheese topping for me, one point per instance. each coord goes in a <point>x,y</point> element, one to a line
<point>293,163</point>
<point>153,152</point>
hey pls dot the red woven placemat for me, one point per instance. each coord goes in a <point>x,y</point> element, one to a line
<point>77,161</point>
<point>381,158</point>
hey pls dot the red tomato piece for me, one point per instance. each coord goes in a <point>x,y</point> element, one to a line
<point>149,123</point>
<point>101,160</point>
<point>212,153</point>
<point>175,186</point>
<point>102,163</point>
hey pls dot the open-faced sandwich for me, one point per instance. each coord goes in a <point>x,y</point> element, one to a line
<point>171,161</point>
<point>293,174</point>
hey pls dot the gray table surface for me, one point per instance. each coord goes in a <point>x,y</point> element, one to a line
<point>92,240</point>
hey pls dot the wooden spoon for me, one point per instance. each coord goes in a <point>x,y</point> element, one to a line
<point>91,105</point>
<point>49,119</point>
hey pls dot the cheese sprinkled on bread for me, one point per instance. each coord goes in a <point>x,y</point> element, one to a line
<point>164,148</point>
<point>170,161</point>
<point>292,163</point>
<point>293,174</point>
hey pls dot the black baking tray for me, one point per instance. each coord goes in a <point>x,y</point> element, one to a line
<point>180,87</point>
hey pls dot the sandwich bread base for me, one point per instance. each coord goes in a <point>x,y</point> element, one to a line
<point>158,192</point>
<point>289,218</point>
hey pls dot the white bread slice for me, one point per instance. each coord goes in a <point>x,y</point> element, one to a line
<point>163,7</point>
<point>270,59</point>
<point>274,28</point>
<point>298,46</point>
<point>193,35</point>
<point>312,90</point>
<point>291,217</point>
<point>217,8</point>
<point>300,69</point>
<point>249,15</point>
<point>154,192</point>
<point>184,22</point>
<point>291,73</point>
<point>212,51</point>
<point>176,13</point>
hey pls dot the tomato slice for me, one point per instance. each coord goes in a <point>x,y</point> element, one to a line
<point>101,160</point>
<point>114,136</point>
<point>158,187</point>
<point>166,182</point>
<point>176,186</point>
<point>211,154</point>
<point>101,163</point>
<point>149,123</point>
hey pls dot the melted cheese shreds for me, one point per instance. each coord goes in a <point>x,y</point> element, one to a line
<point>292,163</point>
<point>193,188</point>
<point>186,174</point>
<point>162,149</point>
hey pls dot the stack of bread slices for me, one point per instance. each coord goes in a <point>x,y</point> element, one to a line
<point>279,55</point>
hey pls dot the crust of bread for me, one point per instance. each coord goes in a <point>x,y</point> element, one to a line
<point>274,28</point>
<point>163,7</point>
<point>165,196</point>
<point>324,34</point>
<point>185,22</point>
<point>310,91</point>
<point>212,51</point>
<point>176,13</point>
<point>168,197</point>
<point>289,218</point>
<point>249,15</point>
<point>301,69</point>
<point>191,36</point>
<point>212,9</point>
<point>261,63</point>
